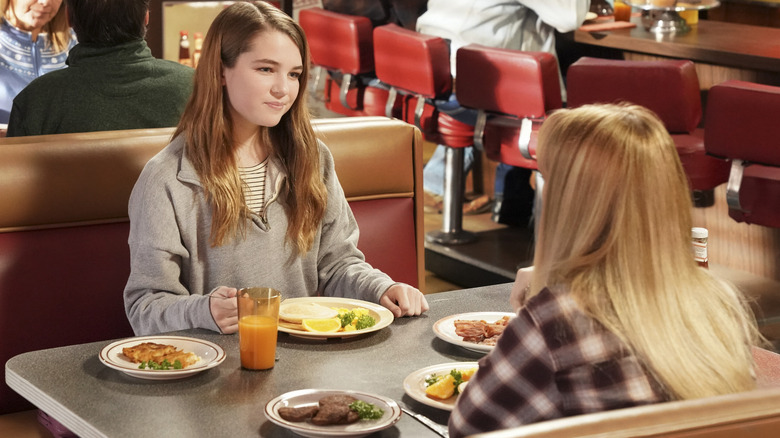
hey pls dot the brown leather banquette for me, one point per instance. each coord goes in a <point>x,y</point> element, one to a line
<point>64,258</point>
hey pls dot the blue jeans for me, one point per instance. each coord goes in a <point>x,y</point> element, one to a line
<point>433,172</point>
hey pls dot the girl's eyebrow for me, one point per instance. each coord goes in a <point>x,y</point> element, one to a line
<point>274,63</point>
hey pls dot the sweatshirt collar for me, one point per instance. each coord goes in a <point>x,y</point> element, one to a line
<point>188,174</point>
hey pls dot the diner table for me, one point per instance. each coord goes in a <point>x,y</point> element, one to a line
<point>74,387</point>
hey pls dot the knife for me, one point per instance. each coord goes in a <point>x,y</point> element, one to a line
<point>430,424</point>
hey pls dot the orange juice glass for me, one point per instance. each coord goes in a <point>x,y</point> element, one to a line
<point>258,319</point>
<point>622,11</point>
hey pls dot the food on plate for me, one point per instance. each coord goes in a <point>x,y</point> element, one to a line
<point>480,331</point>
<point>322,325</point>
<point>444,386</point>
<point>159,356</point>
<point>321,318</point>
<point>296,312</point>
<point>333,409</point>
<point>358,318</point>
<point>297,415</point>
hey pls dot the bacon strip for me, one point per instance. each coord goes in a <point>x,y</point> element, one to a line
<point>480,331</point>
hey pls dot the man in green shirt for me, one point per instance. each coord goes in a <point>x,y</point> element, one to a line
<point>112,80</point>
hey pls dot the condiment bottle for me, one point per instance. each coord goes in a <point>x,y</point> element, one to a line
<point>198,47</point>
<point>700,236</point>
<point>184,48</point>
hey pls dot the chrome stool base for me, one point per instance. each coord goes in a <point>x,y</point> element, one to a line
<point>457,237</point>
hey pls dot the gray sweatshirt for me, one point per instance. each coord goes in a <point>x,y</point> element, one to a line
<point>174,268</point>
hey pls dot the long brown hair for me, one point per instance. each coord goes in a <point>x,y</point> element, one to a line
<point>616,232</point>
<point>57,28</point>
<point>207,128</point>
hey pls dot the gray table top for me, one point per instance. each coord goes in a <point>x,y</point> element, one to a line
<point>73,386</point>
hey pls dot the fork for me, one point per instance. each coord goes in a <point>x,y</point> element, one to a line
<point>427,422</point>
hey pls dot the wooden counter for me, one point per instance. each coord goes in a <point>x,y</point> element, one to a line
<point>721,50</point>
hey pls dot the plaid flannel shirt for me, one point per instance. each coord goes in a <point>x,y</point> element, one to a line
<point>552,361</point>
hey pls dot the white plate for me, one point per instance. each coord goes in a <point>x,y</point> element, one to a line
<point>210,355</point>
<point>382,316</point>
<point>414,384</point>
<point>445,328</point>
<point>591,16</point>
<point>306,397</point>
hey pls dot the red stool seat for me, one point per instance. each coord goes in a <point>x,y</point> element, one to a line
<point>741,126</point>
<point>507,87</point>
<point>417,69</point>
<point>343,44</point>
<point>670,88</point>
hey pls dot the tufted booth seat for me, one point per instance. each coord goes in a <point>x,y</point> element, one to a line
<point>741,127</point>
<point>64,258</point>
<point>670,88</point>
<point>343,45</point>
<point>417,67</point>
<point>510,89</point>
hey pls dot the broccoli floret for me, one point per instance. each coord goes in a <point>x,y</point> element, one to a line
<point>346,318</point>
<point>364,321</point>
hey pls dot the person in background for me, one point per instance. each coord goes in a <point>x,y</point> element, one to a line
<point>527,25</point>
<point>401,12</point>
<point>245,195</point>
<point>34,40</point>
<point>617,312</point>
<point>112,81</point>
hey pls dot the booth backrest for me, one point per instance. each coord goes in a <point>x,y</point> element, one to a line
<point>338,41</point>
<point>512,82</point>
<point>741,122</point>
<point>754,414</point>
<point>64,258</point>
<point>668,87</point>
<point>412,62</point>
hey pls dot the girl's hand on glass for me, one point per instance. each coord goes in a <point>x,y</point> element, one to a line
<point>224,309</point>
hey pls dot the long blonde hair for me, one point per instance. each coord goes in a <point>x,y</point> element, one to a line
<point>207,126</point>
<point>615,231</point>
<point>57,28</point>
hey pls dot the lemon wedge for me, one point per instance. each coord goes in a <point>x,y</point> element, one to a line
<point>329,325</point>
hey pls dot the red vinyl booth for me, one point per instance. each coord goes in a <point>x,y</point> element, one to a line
<point>741,127</point>
<point>343,45</point>
<point>64,256</point>
<point>670,88</point>
<point>417,68</point>
<point>513,92</point>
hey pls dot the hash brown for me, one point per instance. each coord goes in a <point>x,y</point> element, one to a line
<point>147,351</point>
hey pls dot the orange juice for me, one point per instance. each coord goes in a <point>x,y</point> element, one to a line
<point>622,11</point>
<point>257,342</point>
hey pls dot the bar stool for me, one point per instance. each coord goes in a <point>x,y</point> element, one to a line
<point>670,88</point>
<point>417,69</point>
<point>343,45</point>
<point>513,92</point>
<point>742,127</point>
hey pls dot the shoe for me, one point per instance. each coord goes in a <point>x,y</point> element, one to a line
<point>480,205</point>
<point>496,211</point>
<point>432,203</point>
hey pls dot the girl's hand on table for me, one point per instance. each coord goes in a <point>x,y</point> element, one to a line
<point>225,310</point>
<point>404,300</point>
